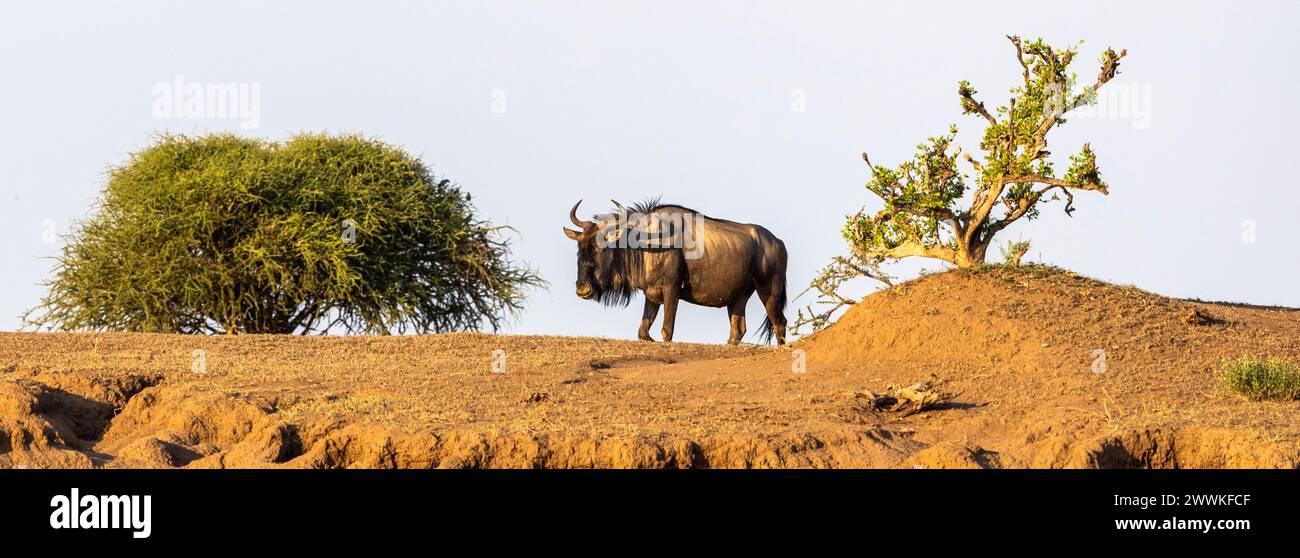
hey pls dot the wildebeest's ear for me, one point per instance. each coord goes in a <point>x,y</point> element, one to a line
<point>572,233</point>
<point>613,234</point>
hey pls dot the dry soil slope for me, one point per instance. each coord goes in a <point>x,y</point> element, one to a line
<point>1069,371</point>
<point>1019,347</point>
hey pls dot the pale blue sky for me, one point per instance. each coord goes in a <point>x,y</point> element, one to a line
<point>691,100</point>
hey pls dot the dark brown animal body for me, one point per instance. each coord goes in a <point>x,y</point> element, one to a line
<point>674,254</point>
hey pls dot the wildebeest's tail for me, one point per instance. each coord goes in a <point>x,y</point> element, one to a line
<point>766,333</point>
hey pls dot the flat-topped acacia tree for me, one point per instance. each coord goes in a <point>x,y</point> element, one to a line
<point>921,216</point>
<point>923,197</point>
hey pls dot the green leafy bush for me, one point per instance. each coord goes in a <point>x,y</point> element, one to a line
<point>1261,378</point>
<point>225,234</point>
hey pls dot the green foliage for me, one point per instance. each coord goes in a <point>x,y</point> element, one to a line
<point>223,234</point>
<point>918,195</point>
<point>1083,169</point>
<point>1261,378</point>
<point>1013,252</point>
<point>922,213</point>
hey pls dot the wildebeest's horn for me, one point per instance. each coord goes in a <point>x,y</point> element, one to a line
<point>573,216</point>
<point>620,207</point>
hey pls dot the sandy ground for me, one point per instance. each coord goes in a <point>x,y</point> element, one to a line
<point>1043,368</point>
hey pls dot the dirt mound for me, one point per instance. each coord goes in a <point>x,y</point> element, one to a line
<point>1031,367</point>
<point>1048,318</point>
<point>1075,372</point>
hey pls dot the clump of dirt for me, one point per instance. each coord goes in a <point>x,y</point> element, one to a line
<point>1199,317</point>
<point>999,367</point>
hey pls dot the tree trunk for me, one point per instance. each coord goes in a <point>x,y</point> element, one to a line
<point>971,256</point>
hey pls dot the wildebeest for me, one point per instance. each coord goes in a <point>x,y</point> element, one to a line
<point>672,253</point>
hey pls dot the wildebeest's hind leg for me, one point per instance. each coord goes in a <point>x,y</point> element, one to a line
<point>772,292</point>
<point>647,319</point>
<point>736,310</point>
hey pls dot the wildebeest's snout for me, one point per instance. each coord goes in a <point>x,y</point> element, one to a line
<point>584,290</point>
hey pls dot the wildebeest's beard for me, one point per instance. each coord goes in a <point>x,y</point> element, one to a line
<point>617,273</point>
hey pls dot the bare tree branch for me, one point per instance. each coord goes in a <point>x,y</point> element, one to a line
<point>1020,56</point>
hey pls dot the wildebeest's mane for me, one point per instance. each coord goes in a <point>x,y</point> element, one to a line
<point>653,204</point>
<point>625,263</point>
<point>622,264</point>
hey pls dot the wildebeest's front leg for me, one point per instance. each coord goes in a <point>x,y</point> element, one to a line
<point>647,319</point>
<point>670,311</point>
